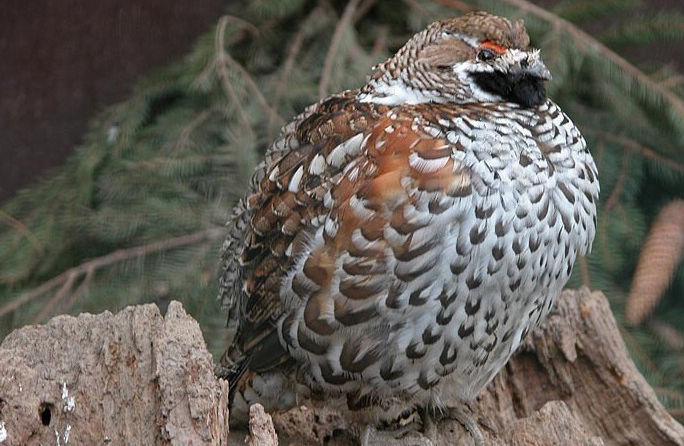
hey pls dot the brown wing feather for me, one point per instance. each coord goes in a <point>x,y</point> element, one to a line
<point>287,197</point>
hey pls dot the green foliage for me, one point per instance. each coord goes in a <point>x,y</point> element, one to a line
<point>170,161</point>
<point>640,30</point>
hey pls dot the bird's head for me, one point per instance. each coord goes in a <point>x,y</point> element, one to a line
<point>477,57</point>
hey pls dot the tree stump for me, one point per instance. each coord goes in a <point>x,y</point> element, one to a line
<point>571,383</point>
<point>134,378</point>
<point>139,378</point>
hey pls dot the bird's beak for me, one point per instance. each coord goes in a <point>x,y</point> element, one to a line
<point>529,64</point>
<point>538,70</point>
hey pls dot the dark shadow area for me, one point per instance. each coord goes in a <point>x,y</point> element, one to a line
<point>64,61</point>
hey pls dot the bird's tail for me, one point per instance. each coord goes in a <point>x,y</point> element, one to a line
<point>275,390</point>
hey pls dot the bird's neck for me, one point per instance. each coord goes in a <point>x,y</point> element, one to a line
<point>389,91</point>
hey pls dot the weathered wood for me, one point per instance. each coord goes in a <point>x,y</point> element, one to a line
<point>572,383</point>
<point>261,430</point>
<point>136,378</point>
<point>577,364</point>
<point>139,378</point>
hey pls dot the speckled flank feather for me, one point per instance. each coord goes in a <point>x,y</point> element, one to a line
<point>394,250</point>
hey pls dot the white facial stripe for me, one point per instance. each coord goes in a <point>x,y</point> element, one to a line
<point>514,57</point>
<point>396,92</point>
<point>470,40</point>
<point>463,71</point>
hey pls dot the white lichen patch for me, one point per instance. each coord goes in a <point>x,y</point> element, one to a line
<point>63,438</point>
<point>3,432</point>
<point>21,389</point>
<point>66,434</point>
<point>69,401</point>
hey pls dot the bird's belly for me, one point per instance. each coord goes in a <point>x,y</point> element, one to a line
<point>492,292</point>
<point>452,316</point>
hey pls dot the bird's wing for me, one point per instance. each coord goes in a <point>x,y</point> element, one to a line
<point>285,205</point>
<point>368,267</point>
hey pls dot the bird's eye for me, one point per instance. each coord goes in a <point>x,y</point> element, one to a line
<point>485,55</point>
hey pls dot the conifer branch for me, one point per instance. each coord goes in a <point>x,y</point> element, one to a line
<point>342,26</point>
<point>219,64</point>
<point>22,229</point>
<point>251,83</point>
<point>619,187</point>
<point>634,146</point>
<point>68,278</point>
<point>187,131</point>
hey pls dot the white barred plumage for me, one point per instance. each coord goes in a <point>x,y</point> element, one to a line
<point>400,240</point>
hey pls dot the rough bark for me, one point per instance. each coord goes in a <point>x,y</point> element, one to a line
<point>572,383</point>
<point>138,378</point>
<point>261,430</point>
<point>131,378</point>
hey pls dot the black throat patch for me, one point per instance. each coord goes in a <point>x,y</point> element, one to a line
<point>523,89</point>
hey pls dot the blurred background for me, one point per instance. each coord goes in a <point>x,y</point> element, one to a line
<point>129,129</point>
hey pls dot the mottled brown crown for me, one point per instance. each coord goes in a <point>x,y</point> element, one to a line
<point>479,25</point>
<point>443,44</point>
<point>485,26</point>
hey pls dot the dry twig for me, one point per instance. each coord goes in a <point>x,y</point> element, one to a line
<point>672,81</point>
<point>668,334</point>
<point>222,61</point>
<point>68,278</point>
<point>293,50</point>
<point>47,310</point>
<point>82,289</point>
<point>420,9</point>
<point>584,271</point>
<point>363,9</point>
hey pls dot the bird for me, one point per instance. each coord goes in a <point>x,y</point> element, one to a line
<point>399,240</point>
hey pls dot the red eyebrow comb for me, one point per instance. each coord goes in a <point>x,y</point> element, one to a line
<point>494,47</point>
